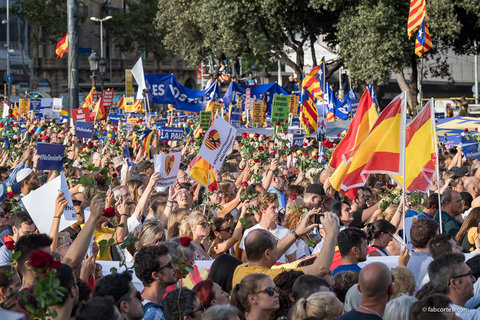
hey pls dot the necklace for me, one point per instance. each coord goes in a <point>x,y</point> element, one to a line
<point>368,309</point>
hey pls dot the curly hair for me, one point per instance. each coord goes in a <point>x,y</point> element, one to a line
<point>284,281</point>
<point>175,310</point>
<point>146,261</point>
<point>292,217</point>
<point>404,281</point>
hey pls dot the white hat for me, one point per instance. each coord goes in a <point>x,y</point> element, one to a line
<point>23,173</point>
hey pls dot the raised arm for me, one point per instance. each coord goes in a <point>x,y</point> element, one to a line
<point>303,228</point>
<point>60,204</point>
<point>142,203</point>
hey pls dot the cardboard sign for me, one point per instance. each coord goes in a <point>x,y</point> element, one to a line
<point>129,104</point>
<point>248,100</point>
<point>167,165</point>
<point>322,125</point>
<point>51,156</point>
<point>280,110</point>
<point>107,98</point>
<point>293,104</point>
<point>217,142</point>
<point>257,112</point>
<point>84,129</point>
<point>40,204</point>
<point>216,108</point>
<point>171,134</point>
<point>24,106</point>
<point>57,104</point>
<point>128,82</point>
<point>81,115</point>
<point>205,119</point>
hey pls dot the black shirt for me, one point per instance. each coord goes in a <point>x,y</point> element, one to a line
<point>355,315</point>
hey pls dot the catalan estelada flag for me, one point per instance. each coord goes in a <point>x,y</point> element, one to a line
<point>416,15</point>
<point>382,151</point>
<point>89,99</point>
<point>147,140</point>
<point>137,106</point>
<point>315,80</point>
<point>423,42</point>
<point>421,153</point>
<point>62,46</point>
<point>359,128</point>
<point>308,113</point>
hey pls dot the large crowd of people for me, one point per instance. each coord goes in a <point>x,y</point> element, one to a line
<point>270,239</point>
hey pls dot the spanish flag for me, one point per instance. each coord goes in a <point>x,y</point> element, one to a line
<point>89,99</point>
<point>315,80</point>
<point>99,111</point>
<point>417,13</point>
<point>62,46</point>
<point>421,153</point>
<point>198,170</point>
<point>121,104</point>
<point>382,151</point>
<point>361,124</point>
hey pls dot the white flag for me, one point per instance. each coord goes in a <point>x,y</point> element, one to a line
<point>137,72</point>
<point>218,141</point>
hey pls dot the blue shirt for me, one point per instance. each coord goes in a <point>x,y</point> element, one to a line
<point>346,267</point>
<point>11,182</point>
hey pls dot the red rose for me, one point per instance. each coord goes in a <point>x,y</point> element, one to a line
<point>32,132</point>
<point>165,143</point>
<point>41,259</point>
<point>71,143</point>
<point>11,123</point>
<point>390,186</point>
<point>338,134</point>
<point>90,144</point>
<point>185,241</point>
<point>317,156</point>
<point>245,135</point>
<point>298,131</point>
<point>239,144</point>
<point>256,135</point>
<point>15,125</point>
<point>140,120</point>
<point>191,141</point>
<point>264,136</point>
<point>277,123</point>
<point>329,145</point>
<point>108,212</point>
<point>466,130</point>
<point>304,153</point>
<point>260,148</point>
<point>476,129</point>
<point>114,175</point>
<point>10,195</point>
<point>9,243</point>
<point>1,125</point>
<point>285,132</point>
<point>19,139</point>
<point>115,129</point>
<point>55,264</point>
<point>445,134</point>
<point>256,160</point>
<point>293,197</point>
<point>285,120</point>
<point>304,144</point>
<point>244,184</point>
<point>113,140</point>
<point>212,187</point>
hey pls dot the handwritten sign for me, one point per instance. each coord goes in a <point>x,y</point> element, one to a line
<point>257,112</point>
<point>293,104</point>
<point>167,165</point>
<point>205,119</point>
<point>107,98</point>
<point>24,106</point>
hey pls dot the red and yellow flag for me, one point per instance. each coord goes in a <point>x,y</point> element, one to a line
<point>146,143</point>
<point>382,151</point>
<point>99,111</point>
<point>89,99</point>
<point>62,46</point>
<point>416,15</point>
<point>423,41</point>
<point>313,82</point>
<point>308,114</point>
<point>199,168</point>
<point>359,128</point>
<point>420,154</point>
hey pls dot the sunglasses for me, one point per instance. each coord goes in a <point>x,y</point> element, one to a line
<point>270,291</point>
<point>168,265</point>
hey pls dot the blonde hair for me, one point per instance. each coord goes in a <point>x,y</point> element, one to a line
<point>265,198</point>
<point>390,212</point>
<point>174,220</point>
<point>316,305</point>
<point>249,285</point>
<point>188,221</point>
<point>133,186</point>
<point>149,233</point>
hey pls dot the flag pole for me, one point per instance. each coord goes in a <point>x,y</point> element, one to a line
<point>403,134</point>
<point>437,170</point>
<point>208,184</point>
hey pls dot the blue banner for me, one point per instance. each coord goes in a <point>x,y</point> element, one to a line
<point>170,133</point>
<point>236,117</point>
<point>471,150</point>
<point>51,156</point>
<point>297,140</point>
<point>257,93</point>
<point>34,105</point>
<point>83,129</point>
<point>164,89</point>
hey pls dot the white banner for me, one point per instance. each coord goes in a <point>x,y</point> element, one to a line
<point>137,72</point>
<point>40,204</point>
<point>57,104</point>
<point>167,165</point>
<point>218,141</point>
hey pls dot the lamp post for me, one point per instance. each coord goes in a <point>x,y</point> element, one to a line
<point>102,60</point>
<point>101,68</point>
<point>93,61</point>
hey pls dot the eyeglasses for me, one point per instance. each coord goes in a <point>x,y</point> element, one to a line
<point>270,291</point>
<point>168,265</point>
<point>469,274</point>
<point>203,224</point>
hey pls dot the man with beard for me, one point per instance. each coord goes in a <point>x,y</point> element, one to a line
<point>28,181</point>
<point>352,243</point>
<point>363,207</point>
<point>155,269</point>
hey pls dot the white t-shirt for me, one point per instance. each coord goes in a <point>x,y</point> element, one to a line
<point>279,233</point>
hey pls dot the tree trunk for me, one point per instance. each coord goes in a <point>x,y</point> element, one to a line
<point>312,48</point>
<point>411,87</point>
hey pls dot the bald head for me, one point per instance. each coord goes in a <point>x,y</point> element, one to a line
<point>375,279</point>
<point>472,185</point>
<point>324,175</point>
<point>256,242</point>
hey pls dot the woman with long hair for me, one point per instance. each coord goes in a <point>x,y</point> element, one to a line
<point>343,211</point>
<point>225,235</point>
<point>469,231</point>
<point>323,305</point>
<point>380,233</point>
<point>195,226</point>
<point>256,296</point>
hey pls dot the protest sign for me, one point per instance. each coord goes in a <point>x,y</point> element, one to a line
<point>84,129</point>
<point>322,125</point>
<point>81,115</point>
<point>218,141</point>
<point>205,119</point>
<point>293,104</point>
<point>257,112</point>
<point>24,106</point>
<point>216,108</point>
<point>248,99</point>
<point>129,104</point>
<point>296,139</point>
<point>96,96</point>
<point>107,98</point>
<point>133,121</point>
<point>128,82</point>
<point>236,115</point>
<point>35,105</point>
<point>57,104</point>
<point>40,204</point>
<point>11,315</point>
<point>51,156</point>
<point>167,165</point>
<point>170,134</point>
<point>280,110</point>
<point>471,150</point>
<point>128,126</point>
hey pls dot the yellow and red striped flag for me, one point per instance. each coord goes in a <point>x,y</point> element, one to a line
<point>359,128</point>
<point>137,106</point>
<point>121,104</point>
<point>89,99</point>
<point>146,143</point>
<point>423,41</point>
<point>420,154</point>
<point>314,81</point>
<point>62,46</point>
<point>308,113</point>
<point>382,151</point>
<point>418,10</point>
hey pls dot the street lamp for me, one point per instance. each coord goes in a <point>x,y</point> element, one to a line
<point>101,68</point>
<point>93,61</point>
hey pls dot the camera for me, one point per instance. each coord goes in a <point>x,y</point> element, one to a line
<point>317,218</point>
